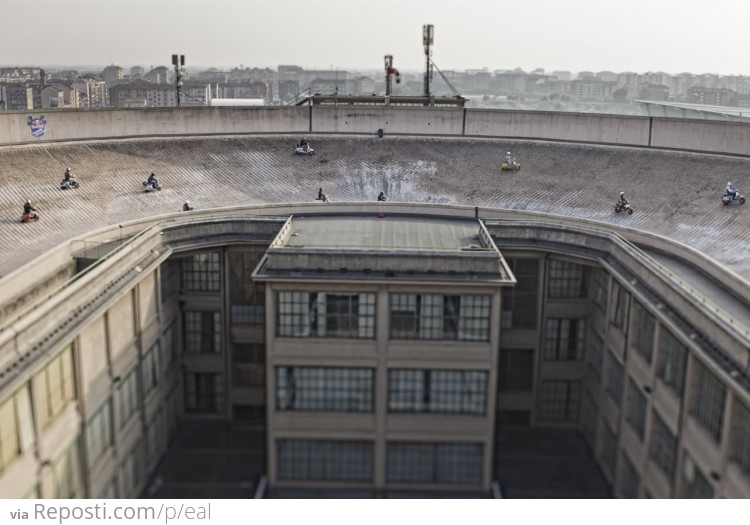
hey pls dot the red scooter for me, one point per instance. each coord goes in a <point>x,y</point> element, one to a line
<point>31,216</point>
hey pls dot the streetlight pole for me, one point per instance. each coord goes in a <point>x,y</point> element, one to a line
<point>178,61</point>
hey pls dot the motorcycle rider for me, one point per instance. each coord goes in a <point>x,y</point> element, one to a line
<point>28,208</point>
<point>509,159</point>
<point>304,144</point>
<point>622,201</point>
<point>381,196</point>
<point>152,180</point>
<point>731,190</point>
<point>187,207</point>
<point>321,195</point>
<point>380,133</point>
<point>67,175</point>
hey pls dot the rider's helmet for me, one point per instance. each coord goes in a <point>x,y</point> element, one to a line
<point>729,183</point>
<point>508,153</point>
<point>622,193</point>
<point>67,169</point>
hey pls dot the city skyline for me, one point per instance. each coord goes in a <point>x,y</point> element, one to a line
<point>580,35</point>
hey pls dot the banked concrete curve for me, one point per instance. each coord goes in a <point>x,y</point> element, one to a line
<point>675,194</point>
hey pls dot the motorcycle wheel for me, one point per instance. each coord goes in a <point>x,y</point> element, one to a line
<point>630,211</point>
<point>742,200</point>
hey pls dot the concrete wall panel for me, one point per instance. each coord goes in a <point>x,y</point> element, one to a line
<point>403,120</point>
<point>89,124</point>
<point>608,129</point>
<point>147,298</point>
<point>713,136</point>
<point>121,329</point>
<point>92,344</point>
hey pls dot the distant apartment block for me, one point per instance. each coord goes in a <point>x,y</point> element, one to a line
<point>16,96</point>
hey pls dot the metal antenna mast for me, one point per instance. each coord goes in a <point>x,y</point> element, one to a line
<point>428,34</point>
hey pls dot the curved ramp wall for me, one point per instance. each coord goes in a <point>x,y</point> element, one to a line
<point>693,135</point>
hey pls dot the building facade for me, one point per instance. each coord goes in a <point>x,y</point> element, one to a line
<point>382,352</point>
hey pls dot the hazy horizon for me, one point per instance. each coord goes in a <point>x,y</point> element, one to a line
<point>577,35</point>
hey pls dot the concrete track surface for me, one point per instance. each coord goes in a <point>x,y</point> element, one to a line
<point>674,194</point>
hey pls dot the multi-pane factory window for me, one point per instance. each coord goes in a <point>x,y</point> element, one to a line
<point>130,472</point>
<point>644,325</point>
<point>671,361</point>
<point>636,409</point>
<point>317,460</point>
<point>254,314</point>
<point>427,316</point>
<point>707,404</point>
<point>99,432</point>
<point>595,355</point>
<point>66,479</point>
<point>619,306</point>
<point>324,389</point>
<point>600,291</point>
<point>170,278</point>
<point>320,314</point>
<point>695,484</point>
<point>202,272</point>
<point>629,480</point>
<point>608,449</point>
<point>564,339</point>
<point>16,427</point>
<point>126,397</point>
<point>443,463</point>
<point>519,302</point>
<point>560,401</point>
<point>202,332</point>
<point>437,391</point>
<point>615,378</point>
<point>204,393</point>
<point>663,447</point>
<point>567,280</point>
<point>740,442</point>
<point>55,386</point>
<point>516,370</point>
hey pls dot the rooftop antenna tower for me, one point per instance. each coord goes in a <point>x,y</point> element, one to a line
<point>428,37</point>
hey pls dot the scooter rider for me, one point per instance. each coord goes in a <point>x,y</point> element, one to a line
<point>380,133</point>
<point>304,144</point>
<point>621,200</point>
<point>187,207</point>
<point>67,176</point>
<point>152,180</point>
<point>731,190</point>
<point>509,159</point>
<point>28,208</point>
<point>321,195</point>
<point>381,196</point>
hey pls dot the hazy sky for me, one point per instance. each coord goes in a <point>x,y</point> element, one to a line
<point>698,36</point>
